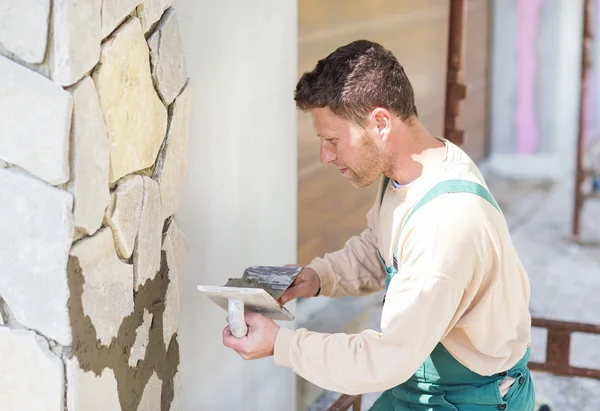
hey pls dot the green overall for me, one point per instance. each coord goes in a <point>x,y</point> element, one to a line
<point>441,382</point>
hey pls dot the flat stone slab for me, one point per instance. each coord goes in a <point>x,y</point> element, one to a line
<point>169,71</point>
<point>151,398</point>
<point>150,11</point>
<point>89,158</point>
<point>37,227</point>
<point>107,289</point>
<point>32,377</point>
<point>88,392</point>
<point>124,211</point>
<point>24,28</point>
<point>146,256</point>
<point>114,12</point>
<point>142,333</point>
<point>273,279</point>
<point>177,403</point>
<point>35,115</point>
<point>77,39</point>
<point>175,247</point>
<point>136,119</point>
<point>171,168</point>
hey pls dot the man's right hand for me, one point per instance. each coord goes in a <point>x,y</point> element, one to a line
<point>306,285</point>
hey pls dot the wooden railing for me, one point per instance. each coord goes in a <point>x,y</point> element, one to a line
<point>346,402</point>
<point>558,347</point>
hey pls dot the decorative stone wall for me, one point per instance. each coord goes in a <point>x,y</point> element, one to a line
<point>94,129</point>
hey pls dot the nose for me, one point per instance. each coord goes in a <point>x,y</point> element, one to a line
<point>327,155</point>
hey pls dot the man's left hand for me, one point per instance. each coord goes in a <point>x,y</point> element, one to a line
<point>260,340</point>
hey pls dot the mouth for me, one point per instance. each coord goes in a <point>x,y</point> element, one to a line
<point>342,170</point>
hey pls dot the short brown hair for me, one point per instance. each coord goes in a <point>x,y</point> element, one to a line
<point>354,79</point>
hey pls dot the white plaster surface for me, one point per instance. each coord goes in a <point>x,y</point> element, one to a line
<point>124,211</point>
<point>37,227</point>
<point>107,288</point>
<point>35,115</point>
<point>146,255</point>
<point>171,167</point>
<point>229,222</point>
<point>24,28</point>
<point>169,70</point>
<point>87,391</point>
<point>151,399</point>
<point>32,377</point>
<point>142,333</point>
<point>89,158</point>
<point>77,39</point>
<point>135,117</point>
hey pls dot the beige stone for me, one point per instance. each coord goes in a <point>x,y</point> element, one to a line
<point>35,119</point>
<point>142,334</point>
<point>150,11</point>
<point>177,252</point>
<point>87,391</point>
<point>177,403</point>
<point>36,223</point>
<point>171,166</point>
<point>146,256</point>
<point>124,211</point>
<point>24,28</point>
<point>175,248</point>
<point>32,377</point>
<point>151,398</point>
<point>169,71</point>
<point>114,12</point>
<point>76,39</point>
<point>89,158</point>
<point>107,289</point>
<point>135,117</point>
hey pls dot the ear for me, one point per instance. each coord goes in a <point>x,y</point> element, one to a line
<point>381,122</point>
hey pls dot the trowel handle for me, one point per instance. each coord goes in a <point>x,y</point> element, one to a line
<point>237,322</point>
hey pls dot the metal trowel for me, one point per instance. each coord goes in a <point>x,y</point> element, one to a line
<point>256,291</point>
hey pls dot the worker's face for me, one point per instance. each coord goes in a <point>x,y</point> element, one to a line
<point>357,152</point>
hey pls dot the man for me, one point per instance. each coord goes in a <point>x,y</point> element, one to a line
<point>455,325</point>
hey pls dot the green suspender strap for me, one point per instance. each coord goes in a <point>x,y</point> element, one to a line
<point>447,186</point>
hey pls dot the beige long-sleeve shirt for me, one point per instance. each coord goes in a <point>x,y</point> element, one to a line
<point>459,282</point>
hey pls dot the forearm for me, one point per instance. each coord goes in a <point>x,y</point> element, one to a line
<point>414,319</point>
<point>353,270</point>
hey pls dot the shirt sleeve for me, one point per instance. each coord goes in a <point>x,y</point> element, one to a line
<point>420,309</point>
<point>355,269</point>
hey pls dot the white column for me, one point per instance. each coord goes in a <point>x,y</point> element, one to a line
<point>568,83</point>
<point>240,198</point>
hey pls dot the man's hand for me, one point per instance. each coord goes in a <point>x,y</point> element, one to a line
<point>306,285</point>
<point>260,340</point>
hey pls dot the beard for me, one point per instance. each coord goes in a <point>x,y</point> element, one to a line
<point>371,162</point>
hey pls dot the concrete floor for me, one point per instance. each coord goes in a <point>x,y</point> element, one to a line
<point>565,280</point>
